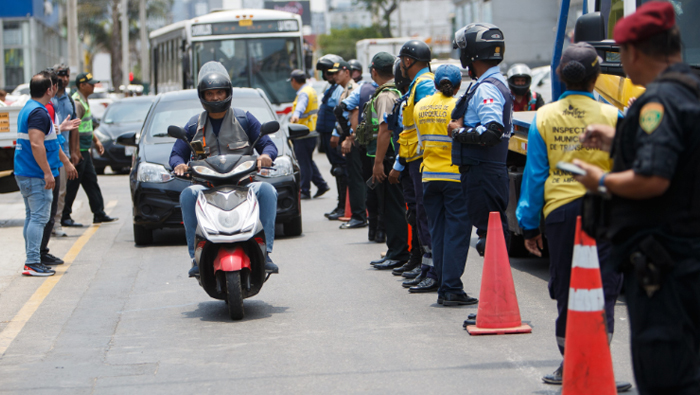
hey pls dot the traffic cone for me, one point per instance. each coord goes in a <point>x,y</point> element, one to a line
<point>587,362</point>
<point>498,312</point>
<point>348,210</point>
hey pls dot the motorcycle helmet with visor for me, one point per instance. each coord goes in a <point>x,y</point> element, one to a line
<point>519,71</point>
<point>213,75</point>
<point>479,41</point>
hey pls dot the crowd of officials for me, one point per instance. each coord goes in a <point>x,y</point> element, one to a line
<point>408,152</point>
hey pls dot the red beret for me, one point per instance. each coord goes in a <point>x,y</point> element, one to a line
<point>650,19</point>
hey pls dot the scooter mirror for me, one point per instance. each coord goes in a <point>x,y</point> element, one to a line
<point>177,132</point>
<point>266,128</point>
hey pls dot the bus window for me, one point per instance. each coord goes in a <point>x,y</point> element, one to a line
<point>230,53</point>
<point>272,60</point>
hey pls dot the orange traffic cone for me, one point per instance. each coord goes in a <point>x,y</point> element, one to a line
<point>587,362</point>
<point>348,210</point>
<point>498,312</point>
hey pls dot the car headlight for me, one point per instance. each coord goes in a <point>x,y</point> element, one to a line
<point>283,167</point>
<point>151,172</point>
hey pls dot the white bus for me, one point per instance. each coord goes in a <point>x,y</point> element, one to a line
<point>259,48</point>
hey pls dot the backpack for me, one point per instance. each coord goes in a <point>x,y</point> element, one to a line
<point>369,127</point>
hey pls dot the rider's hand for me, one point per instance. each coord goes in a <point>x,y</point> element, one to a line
<point>264,160</point>
<point>181,169</point>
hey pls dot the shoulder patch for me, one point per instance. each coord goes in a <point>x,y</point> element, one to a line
<point>650,117</point>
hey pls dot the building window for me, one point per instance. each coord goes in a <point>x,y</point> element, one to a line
<point>14,67</point>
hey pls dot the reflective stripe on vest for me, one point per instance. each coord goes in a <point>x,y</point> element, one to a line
<point>408,139</point>
<point>86,128</point>
<point>432,115</point>
<point>308,118</point>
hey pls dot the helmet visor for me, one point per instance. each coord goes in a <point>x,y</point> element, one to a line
<point>460,39</point>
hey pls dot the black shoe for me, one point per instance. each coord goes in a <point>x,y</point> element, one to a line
<point>459,300</point>
<point>389,264</point>
<point>378,261</point>
<point>321,191</point>
<point>412,273</point>
<point>304,196</point>
<point>380,237</point>
<point>194,271</point>
<point>270,266</point>
<point>37,269</point>
<point>412,282</point>
<point>427,285</point>
<point>481,245</point>
<point>405,268</point>
<point>335,214</point>
<point>371,234</point>
<point>48,259</point>
<point>556,377</point>
<point>70,222</point>
<point>98,219</point>
<point>623,386</point>
<point>353,224</point>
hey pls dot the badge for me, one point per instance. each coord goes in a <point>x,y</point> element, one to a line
<point>650,117</point>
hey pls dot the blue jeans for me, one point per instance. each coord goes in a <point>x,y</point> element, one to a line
<point>267,197</point>
<point>450,231</point>
<point>37,202</point>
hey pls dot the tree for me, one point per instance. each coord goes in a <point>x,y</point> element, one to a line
<point>387,7</point>
<point>342,41</point>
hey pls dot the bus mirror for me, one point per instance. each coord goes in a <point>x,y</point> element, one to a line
<point>590,27</point>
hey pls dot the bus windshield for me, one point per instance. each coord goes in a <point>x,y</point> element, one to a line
<point>263,63</point>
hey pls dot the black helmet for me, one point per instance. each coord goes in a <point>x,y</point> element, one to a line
<point>325,62</point>
<point>400,81</point>
<point>416,49</point>
<point>522,71</point>
<point>355,65</point>
<point>479,41</point>
<point>213,75</point>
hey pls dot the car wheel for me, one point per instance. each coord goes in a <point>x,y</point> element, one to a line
<point>142,235</point>
<point>293,227</point>
<point>99,170</point>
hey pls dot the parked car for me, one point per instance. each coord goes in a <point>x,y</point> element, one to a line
<point>156,193</point>
<point>125,115</point>
<point>99,101</point>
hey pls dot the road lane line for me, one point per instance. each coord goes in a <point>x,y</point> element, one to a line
<point>16,324</point>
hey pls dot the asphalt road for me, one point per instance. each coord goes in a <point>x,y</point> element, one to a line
<point>122,319</point>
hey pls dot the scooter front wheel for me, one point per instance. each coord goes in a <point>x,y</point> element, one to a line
<point>234,295</point>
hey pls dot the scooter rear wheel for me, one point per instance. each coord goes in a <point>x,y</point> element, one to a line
<point>234,295</point>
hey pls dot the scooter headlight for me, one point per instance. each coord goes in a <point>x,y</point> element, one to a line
<point>228,219</point>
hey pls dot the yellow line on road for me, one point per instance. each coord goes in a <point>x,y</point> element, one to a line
<point>15,326</point>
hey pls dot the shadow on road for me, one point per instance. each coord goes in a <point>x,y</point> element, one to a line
<point>11,223</point>
<point>216,311</point>
<point>538,267</point>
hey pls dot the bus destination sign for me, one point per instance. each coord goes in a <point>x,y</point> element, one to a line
<point>244,26</point>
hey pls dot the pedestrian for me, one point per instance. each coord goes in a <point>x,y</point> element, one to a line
<point>653,214</point>
<point>64,106</point>
<point>325,126</point>
<point>442,193</point>
<point>37,158</point>
<point>552,138</point>
<point>305,112</point>
<point>87,177</point>
<point>519,81</point>
<point>374,138</point>
<point>482,128</point>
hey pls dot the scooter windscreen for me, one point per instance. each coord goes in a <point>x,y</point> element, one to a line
<point>224,166</point>
<point>226,198</point>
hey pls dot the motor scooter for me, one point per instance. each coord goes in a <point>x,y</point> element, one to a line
<point>230,247</point>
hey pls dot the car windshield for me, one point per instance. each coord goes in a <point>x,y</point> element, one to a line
<point>99,95</point>
<point>179,112</point>
<point>126,111</point>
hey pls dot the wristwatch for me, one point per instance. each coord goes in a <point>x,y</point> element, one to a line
<point>601,185</point>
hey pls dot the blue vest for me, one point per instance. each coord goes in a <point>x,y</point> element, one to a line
<point>25,164</point>
<point>366,91</point>
<point>326,118</point>
<point>473,154</point>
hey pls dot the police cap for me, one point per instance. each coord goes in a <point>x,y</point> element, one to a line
<point>650,19</point>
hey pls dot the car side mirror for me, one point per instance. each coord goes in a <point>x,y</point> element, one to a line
<point>297,131</point>
<point>590,27</point>
<point>266,128</point>
<point>127,139</point>
<point>177,132</point>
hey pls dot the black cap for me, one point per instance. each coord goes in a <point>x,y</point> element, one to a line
<point>382,61</point>
<point>579,62</point>
<point>85,78</point>
<point>297,75</point>
<point>337,66</point>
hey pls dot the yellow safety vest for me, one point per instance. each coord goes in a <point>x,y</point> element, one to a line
<point>432,115</point>
<point>408,139</point>
<point>308,118</point>
<point>560,124</point>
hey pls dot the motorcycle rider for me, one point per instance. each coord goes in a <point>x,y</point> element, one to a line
<point>519,81</point>
<point>224,130</point>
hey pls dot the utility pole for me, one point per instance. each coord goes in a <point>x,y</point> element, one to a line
<point>73,48</point>
<point>145,58</point>
<point>125,44</point>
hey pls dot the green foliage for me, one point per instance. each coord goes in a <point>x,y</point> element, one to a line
<point>342,41</point>
<point>387,7</point>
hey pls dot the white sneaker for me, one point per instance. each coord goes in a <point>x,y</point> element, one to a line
<point>58,231</point>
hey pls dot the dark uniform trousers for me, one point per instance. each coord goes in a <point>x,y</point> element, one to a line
<point>88,179</point>
<point>44,249</point>
<point>374,210</point>
<point>409,197</point>
<point>422,226</point>
<point>560,227</point>
<point>485,188</point>
<point>448,219</point>
<point>304,151</point>
<point>338,167</point>
<point>392,207</point>
<point>356,185</point>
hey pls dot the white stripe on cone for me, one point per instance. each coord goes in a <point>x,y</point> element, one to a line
<point>585,257</point>
<point>586,300</point>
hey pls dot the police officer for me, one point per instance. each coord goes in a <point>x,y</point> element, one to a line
<point>551,139</point>
<point>305,112</point>
<point>519,81</point>
<point>442,193</point>
<point>654,211</point>
<point>482,130</point>
<point>355,70</point>
<point>325,125</point>
<point>220,127</point>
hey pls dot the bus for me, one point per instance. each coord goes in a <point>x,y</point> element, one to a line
<point>259,48</point>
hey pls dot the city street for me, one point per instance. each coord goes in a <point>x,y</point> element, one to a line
<point>122,319</point>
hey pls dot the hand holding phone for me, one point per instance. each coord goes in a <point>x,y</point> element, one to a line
<point>570,168</point>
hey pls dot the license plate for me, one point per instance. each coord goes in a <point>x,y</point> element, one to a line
<point>128,151</point>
